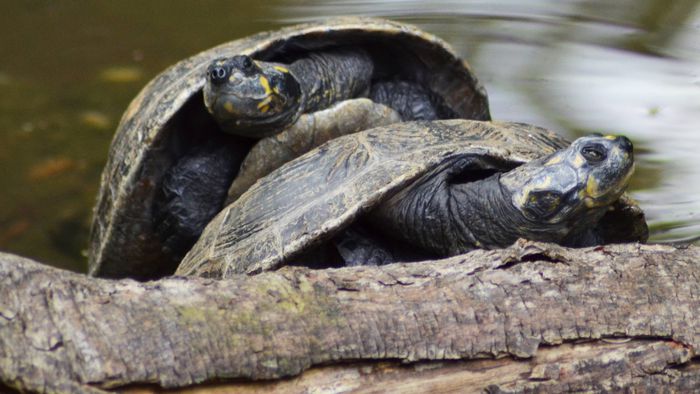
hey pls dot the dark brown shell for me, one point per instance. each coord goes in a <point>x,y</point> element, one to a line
<point>122,241</point>
<point>315,196</point>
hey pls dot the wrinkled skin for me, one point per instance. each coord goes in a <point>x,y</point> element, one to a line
<point>410,100</point>
<point>265,99</point>
<point>168,117</point>
<point>256,99</point>
<point>416,189</point>
<point>559,198</point>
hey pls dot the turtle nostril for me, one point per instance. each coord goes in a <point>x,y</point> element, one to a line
<point>625,143</point>
<point>247,63</point>
<point>217,74</point>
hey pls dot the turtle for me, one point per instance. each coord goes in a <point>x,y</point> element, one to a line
<point>256,98</point>
<point>416,190</point>
<point>167,125</point>
<point>269,153</point>
<point>195,188</point>
<point>294,107</point>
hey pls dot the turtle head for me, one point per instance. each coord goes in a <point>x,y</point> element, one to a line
<point>251,98</point>
<point>575,185</point>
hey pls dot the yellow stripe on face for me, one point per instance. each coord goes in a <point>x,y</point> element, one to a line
<point>610,137</point>
<point>264,105</point>
<point>265,84</point>
<point>592,187</point>
<point>280,69</point>
<point>589,194</point>
<point>228,106</point>
<point>554,160</point>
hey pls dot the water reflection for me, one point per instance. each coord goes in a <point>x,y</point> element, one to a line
<point>67,73</point>
<point>628,67</point>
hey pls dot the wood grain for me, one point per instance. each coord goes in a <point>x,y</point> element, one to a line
<point>533,317</point>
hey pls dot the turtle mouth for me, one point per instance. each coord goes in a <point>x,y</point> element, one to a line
<point>245,106</point>
<point>232,101</point>
<point>595,197</point>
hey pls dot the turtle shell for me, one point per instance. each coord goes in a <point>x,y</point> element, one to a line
<point>312,198</point>
<point>168,116</point>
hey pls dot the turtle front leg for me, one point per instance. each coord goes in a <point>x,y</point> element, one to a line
<point>361,245</point>
<point>193,191</point>
<point>411,100</point>
<point>358,248</point>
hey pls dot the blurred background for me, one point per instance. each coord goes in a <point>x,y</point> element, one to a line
<point>68,70</point>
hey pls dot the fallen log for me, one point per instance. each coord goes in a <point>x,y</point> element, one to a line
<point>533,317</point>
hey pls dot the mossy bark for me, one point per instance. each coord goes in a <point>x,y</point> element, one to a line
<point>533,317</point>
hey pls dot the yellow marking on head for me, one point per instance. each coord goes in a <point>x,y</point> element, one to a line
<point>228,106</point>
<point>579,161</point>
<point>276,90</point>
<point>592,187</point>
<point>590,203</point>
<point>526,194</point>
<point>554,160</point>
<point>610,137</point>
<point>265,104</point>
<point>265,84</point>
<point>280,69</point>
<point>232,78</point>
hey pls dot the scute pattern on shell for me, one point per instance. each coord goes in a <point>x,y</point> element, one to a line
<point>122,241</point>
<point>309,199</point>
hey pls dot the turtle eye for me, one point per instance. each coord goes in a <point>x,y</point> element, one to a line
<point>593,153</point>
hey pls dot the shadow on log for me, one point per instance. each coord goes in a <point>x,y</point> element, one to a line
<point>533,317</point>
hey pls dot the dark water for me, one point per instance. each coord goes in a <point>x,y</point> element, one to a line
<point>68,70</point>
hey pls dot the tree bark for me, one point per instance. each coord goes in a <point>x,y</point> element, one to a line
<point>534,317</point>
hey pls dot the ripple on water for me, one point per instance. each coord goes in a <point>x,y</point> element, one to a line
<point>625,67</point>
<point>622,67</point>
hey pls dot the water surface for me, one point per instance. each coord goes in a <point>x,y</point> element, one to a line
<point>69,69</point>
